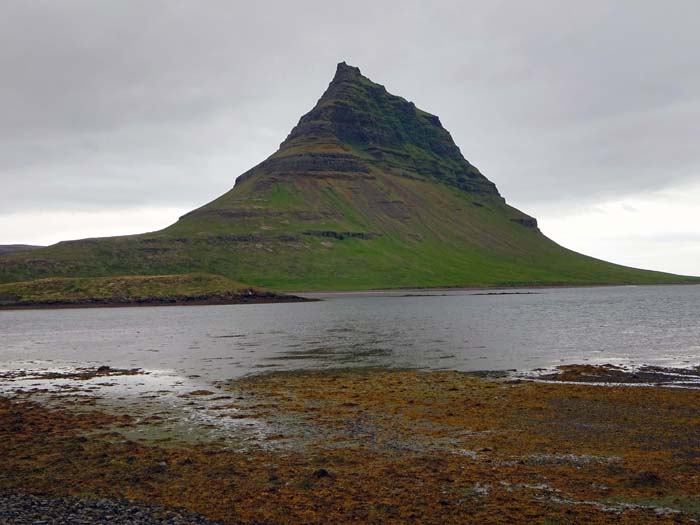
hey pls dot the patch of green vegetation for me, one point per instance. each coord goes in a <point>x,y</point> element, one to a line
<point>119,289</point>
<point>283,196</point>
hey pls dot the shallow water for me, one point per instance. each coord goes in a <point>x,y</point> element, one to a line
<point>461,330</point>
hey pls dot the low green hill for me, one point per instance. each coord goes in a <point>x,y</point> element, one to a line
<point>132,290</point>
<point>367,191</point>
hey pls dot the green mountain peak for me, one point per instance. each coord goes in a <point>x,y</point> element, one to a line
<point>367,191</point>
<point>358,125</point>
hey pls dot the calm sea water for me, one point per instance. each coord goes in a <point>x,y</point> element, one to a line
<point>455,330</point>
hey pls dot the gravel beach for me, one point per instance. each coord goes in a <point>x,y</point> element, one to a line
<point>23,509</point>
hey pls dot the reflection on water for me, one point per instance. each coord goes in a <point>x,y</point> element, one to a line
<point>458,330</point>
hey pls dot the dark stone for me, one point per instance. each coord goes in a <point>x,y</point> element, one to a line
<point>646,479</point>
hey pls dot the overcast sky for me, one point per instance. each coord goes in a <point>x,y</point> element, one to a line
<point>118,116</point>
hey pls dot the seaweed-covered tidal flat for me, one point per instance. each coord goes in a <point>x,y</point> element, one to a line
<point>368,445</point>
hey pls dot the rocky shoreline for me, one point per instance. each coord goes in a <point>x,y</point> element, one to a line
<point>618,375</point>
<point>216,299</point>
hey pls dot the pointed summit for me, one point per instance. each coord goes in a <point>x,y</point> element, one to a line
<point>358,126</point>
<point>344,71</point>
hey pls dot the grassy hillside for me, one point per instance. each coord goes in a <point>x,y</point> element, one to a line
<point>125,290</point>
<point>367,191</point>
<point>386,233</point>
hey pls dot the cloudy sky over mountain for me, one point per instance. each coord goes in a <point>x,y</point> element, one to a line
<point>117,117</point>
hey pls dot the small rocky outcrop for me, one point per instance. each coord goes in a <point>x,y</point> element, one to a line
<point>341,235</point>
<point>528,222</point>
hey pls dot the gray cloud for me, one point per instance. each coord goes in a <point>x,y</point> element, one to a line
<point>118,104</point>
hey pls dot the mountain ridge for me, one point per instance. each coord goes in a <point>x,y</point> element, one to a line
<point>367,191</point>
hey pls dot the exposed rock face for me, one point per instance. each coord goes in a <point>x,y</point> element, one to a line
<point>341,235</point>
<point>528,222</point>
<point>357,125</point>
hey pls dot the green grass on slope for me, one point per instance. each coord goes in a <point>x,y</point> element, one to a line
<point>354,264</point>
<point>419,235</point>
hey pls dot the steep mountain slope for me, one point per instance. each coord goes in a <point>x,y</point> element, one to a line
<point>367,191</point>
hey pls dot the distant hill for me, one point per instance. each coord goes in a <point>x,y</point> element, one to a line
<point>13,248</point>
<point>367,191</point>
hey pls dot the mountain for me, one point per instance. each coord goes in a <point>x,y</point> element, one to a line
<point>13,248</point>
<point>367,191</point>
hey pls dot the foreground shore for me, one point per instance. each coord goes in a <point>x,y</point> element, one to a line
<point>379,446</point>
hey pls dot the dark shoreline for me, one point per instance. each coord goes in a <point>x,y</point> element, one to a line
<point>312,296</point>
<point>207,301</point>
<point>508,289</point>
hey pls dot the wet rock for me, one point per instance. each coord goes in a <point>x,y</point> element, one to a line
<point>201,393</point>
<point>321,473</point>
<point>689,378</point>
